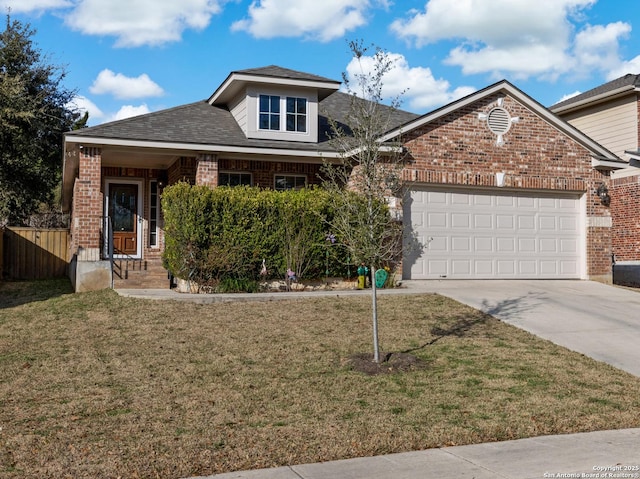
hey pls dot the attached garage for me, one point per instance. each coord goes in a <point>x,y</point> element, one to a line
<point>493,234</point>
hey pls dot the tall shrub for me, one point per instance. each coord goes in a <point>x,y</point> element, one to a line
<point>221,234</point>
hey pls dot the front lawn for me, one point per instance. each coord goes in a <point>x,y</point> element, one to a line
<point>97,385</point>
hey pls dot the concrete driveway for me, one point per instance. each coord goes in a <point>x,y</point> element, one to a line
<point>597,320</point>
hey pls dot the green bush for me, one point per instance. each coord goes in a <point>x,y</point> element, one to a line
<point>219,237</point>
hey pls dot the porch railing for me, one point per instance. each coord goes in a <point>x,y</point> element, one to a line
<point>121,262</point>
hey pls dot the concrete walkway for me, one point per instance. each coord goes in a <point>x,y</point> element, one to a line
<point>597,320</point>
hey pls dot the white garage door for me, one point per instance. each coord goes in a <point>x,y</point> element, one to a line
<point>474,234</point>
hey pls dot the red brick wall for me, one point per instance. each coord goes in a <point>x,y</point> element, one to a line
<point>625,198</point>
<point>459,149</point>
<point>183,169</point>
<point>87,204</point>
<point>207,170</point>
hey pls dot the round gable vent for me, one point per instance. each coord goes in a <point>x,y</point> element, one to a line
<point>499,121</point>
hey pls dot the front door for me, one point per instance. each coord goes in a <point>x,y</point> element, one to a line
<point>123,210</point>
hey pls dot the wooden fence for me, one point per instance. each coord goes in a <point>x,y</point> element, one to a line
<point>29,253</point>
<point>1,253</point>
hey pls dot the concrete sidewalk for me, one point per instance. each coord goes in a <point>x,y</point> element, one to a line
<point>601,454</point>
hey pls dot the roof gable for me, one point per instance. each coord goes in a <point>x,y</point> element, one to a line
<point>602,156</point>
<point>272,75</point>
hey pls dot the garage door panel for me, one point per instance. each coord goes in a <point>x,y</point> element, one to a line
<point>461,267</point>
<point>526,202</point>
<point>528,268</point>
<point>526,222</point>
<point>460,220</point>
<point>506,267</point>
<point>568,223</point>
<point>505,222</point>
<point>494,234</point>
<point>548,245</point>
<point>483,244</point>
<point>547,223</point>
<point>436,243</point>
<point>505,245</point>
<point>436,220</point>
<point>568,246</point>
<point>484,268</point>
<point>483,221</point>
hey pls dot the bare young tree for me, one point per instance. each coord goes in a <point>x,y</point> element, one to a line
<point>368,177</point>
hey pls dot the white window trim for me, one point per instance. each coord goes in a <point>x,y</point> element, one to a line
<point>253,114</point>
<point>157,217</point>
<point>283,114</point>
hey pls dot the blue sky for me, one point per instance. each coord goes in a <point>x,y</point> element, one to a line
<point>127,57</point>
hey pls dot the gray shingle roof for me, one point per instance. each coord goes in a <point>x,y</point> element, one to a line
<point>629,80</point>
<point>279,72</point>
<point>203,124</point>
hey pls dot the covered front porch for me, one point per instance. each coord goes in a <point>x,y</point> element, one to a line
<point>114,195</point>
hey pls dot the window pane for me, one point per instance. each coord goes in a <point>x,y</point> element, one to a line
<point>234,179</point>
<point>264,121</point>
<point>275,122</point>
<point>275,104</point>
<point>264,103</point>
<point>296,114</point>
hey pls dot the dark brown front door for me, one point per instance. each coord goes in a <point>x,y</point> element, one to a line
<point>123,210</point>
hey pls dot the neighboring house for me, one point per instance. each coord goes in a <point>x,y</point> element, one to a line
<point>499,186</point>
<point>610,114</point>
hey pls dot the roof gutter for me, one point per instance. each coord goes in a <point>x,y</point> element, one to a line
<point>594,99</point>
<point>193,147</point>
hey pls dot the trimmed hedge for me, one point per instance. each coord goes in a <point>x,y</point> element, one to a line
<point>221,236</point>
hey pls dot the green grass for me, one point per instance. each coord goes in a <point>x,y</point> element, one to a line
<point>97,385</point>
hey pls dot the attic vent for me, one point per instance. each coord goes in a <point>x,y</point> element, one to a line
<point>499,121</point>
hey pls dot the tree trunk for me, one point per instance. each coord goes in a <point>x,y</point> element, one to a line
<point>374,298</point>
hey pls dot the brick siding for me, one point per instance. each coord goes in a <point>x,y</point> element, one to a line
<point>87,205</point>
<point>625,198</point>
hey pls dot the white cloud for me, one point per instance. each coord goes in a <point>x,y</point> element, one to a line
<point>127,111</point>
<point>323,20</point>
<point>28,6</point>
<point>141,22</point>
<point>596,47</point>
<point>631,66</point>
<point>83,104</point>
<point>123,87</point>
<point>518,38</point>
<point>415,85</point>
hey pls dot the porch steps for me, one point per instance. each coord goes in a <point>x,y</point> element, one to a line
<point>139,274</point>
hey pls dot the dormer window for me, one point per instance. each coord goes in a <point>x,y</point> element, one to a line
<point>295,113</point>
<point>269,112</point>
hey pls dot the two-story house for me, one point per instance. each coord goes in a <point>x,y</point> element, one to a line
<point>610,114</point>
<point>499,187</point>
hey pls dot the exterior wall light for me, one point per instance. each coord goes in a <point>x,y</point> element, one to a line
<point>603,193</point>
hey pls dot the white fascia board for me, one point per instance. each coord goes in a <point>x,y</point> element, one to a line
<point>594,99</point>
<point>606,164</point>
<point>200,148</point>
<point>243,79</point>
<point>626,172</point>
<point>504,86</point>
